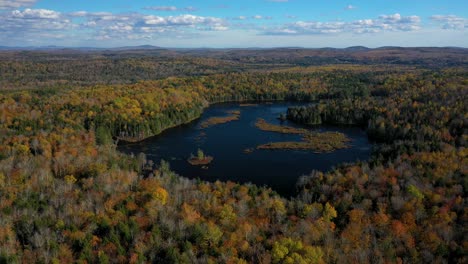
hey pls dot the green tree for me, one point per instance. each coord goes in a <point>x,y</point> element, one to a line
<point>103,136</point>
<point>200,154</point>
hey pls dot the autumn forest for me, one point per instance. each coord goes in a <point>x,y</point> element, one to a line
<point>67,195</point>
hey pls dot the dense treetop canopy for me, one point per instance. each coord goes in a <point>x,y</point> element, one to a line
<point>67,195</point>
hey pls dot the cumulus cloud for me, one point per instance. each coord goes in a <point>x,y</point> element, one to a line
<point>182,20</point>
<point>397,18</point>
<point>36,24</point>
<point>171,8</point>
<point>140,26</point>
<point>255,17</point>
<point>350,7</point>
<point>35,14</point>
<point>33,25</point>
<point>33,21</point>
<point>161,8</point>
<point>190,9</point>
<point>451,21</point>
<point>394,22</point>
<point>12,4</point>
<point>302,27</point>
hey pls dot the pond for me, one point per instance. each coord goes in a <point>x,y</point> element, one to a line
<point>278,169</point>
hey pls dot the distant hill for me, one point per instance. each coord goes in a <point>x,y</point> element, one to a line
<point>357,48</point>
<point>141,47</point>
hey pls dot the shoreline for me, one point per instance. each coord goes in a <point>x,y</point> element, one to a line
<point>122,141</point>
<point>132,141</point>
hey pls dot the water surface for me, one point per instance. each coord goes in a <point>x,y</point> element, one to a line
<point>278,169</point>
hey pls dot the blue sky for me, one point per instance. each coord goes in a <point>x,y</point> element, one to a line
<point>228,23</point>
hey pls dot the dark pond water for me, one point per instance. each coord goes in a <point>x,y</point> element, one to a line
<point>278,169</point>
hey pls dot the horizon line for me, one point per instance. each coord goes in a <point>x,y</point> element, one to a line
<point>149,46</point>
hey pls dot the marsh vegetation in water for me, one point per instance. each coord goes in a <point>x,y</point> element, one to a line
<point>318,142</point>
<point>217,120</point>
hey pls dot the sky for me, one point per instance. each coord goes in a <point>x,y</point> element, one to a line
<point>234,23</point>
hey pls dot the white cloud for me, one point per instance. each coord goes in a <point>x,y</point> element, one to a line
<point>190,9</point>
<point>140,26</point>
<point>28,26</point>
<point>258,17</point>
<point>451,21</point>
<point>78,14</point>
<point>35,14</point>
<point>171,8</point>
<point>397,18</point>
<point>182,20</point>
<point>394,22</point>
<point>161,8</point>
<point>255,17</point>
<point>350,7</point>
<point>33,20</point>
<point>121,28</point>
<point>38,24</point>
<point>218,28</point>
<point>12,4</point>
<point>33,25</point>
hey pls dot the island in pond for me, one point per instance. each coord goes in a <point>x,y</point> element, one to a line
<point>320,142</point>
<point>200,159</point>
<point>234,115</point>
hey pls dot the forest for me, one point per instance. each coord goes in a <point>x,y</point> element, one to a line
<point>68,196</point>
<point>32,69</point>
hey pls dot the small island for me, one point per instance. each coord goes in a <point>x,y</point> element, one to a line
<point>248,150</point>
<point>247,104</point>
<point>234,115</point>
<point>320,142</point>
<point>200,159</point>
